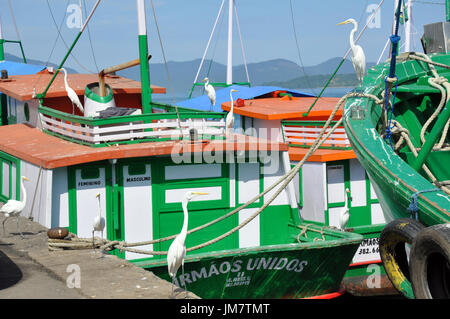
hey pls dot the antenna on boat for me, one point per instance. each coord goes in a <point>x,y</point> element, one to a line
<point>3,41</point>
<point>229,79</point>
<point>146,95</point>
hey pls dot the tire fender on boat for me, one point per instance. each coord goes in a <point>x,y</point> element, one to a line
<point>430,263</point>
<point>393,252</point>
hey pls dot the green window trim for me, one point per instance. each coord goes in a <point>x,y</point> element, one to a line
<point>4,157</point>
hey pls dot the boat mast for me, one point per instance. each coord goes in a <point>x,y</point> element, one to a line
<point>146,95</point>
<point>408,26</point>
<point>230,43</point>
<point>2,42</point>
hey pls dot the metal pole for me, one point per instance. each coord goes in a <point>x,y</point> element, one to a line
<point>146,94</point>
<point>230,43</point>
<point>447,10</point>
<point>408,25</point>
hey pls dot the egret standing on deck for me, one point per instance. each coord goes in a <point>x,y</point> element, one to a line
<point>99,221</point>
<point>13,207</point>
<point>229,122</point>
<point>358,57</point>
<point>211,92</point>
<point>71,93</point>
<point>344,213</point>
<point>177,250</point>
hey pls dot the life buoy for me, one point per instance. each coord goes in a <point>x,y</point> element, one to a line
<point>430,263</point>
<point>393,240</point>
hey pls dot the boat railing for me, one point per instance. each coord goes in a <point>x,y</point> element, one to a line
<point>160,126</point>
<point>303,134</point>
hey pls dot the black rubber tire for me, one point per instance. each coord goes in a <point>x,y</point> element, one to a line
<point>393,254</point>
<point>430,263</point>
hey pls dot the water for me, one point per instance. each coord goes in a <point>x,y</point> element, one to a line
<point>329,92</point>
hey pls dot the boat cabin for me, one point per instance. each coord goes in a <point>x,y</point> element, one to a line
<point>141,165</point>
<point>321,183</point>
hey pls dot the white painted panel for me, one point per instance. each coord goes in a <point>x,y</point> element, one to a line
<point>357,184</point>
<point>193,171</point>
<point>248,182</point>
<point>268,129</point>
<point>42,194</point>
<point>334,215</point>
<point>87,203</point>
<point>377,214</point>
<point>373,195</point>
<point>137,195</point>
<point>249,235</point>
<point>60,199</point>
<point>5,182</point>
<point>314,191</point>
<point>336,187</point>
<point>14,180</point>
<point>232,182</point>
<point>177,195</point>
<point>368,251</point>
<point>273,171</point>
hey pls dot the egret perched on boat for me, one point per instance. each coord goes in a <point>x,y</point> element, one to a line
<point>13,207</point>
<point>345,214</point>
<point>177,250</point>
<point>99,222</point>
<point>211,92</point>
<point>358,56</point>
<point>229,122</point>
<point>71,93</point>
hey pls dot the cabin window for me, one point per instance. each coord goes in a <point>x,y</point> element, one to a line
<point>90,173</point>
<point>26,111</point>
<point>136,169</point>
<point>12,110</point>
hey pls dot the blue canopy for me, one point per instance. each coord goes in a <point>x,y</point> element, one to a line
<point>244,92</point>
<point>17,68</point>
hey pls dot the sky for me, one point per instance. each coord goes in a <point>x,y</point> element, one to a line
<point>266,27</point>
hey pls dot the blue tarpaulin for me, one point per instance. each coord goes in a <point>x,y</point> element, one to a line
<point>244,92</point>
<point>17,68</point>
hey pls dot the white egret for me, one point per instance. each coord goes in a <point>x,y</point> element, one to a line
<point>358,57</point>
<point>13,207</point>
<point>71,93</point>
<point>229,122</point>
<point>99,221</point>
<point>344,214</point>
<point>177,250</point>
<point>211,92</point>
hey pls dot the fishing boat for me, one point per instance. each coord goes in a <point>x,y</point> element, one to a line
<point>320,186</point>
<point>131,160</point>
<point>397,125</point>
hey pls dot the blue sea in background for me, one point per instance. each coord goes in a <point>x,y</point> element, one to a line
<point>329,92</point>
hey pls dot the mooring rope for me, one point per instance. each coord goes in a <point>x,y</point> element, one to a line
<point>81,243</point>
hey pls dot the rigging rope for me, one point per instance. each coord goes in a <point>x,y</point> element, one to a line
<point>286,179</point>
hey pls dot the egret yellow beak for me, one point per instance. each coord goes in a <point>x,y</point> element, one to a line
<point>343,22</point>
<point>199,193</point>
<point>25,178</point>
<point>98,195</point>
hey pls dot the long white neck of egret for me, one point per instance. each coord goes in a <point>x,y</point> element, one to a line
<point>232,104</point>
<point>183,232</point>
<point>352,35</point>
<point>24,191</point>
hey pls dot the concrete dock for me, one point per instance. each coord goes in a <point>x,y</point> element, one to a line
<point>29,270</point>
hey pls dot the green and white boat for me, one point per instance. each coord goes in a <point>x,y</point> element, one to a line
<point>404,147</point>
<point>134,169</point>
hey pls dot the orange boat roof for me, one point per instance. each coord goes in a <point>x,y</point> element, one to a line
<point>320,155</point>
<point>32,145</point>
<point>21,87</point>
<point>285,108</point>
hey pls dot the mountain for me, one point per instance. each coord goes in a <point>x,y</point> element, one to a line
<point>280,72</point>
<point>13,58</point>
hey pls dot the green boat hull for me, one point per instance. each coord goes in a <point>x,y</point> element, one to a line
<point>297,270</point>
<point>392,176</point>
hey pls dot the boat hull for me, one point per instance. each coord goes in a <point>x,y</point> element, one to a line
<point>280,271</point>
